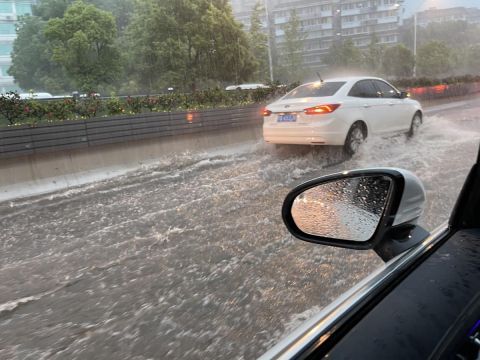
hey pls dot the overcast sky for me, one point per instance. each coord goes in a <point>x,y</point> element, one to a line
<point>414,5</point>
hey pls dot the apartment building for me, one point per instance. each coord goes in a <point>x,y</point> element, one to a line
<point>327,21</point>
<point>434,15</point>
<point>242,10</point>
<point>10,12</point>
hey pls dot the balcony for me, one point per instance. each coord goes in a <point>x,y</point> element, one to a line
<point>8,17</point>
<point>350,12</point>
<point>369,22</point>
<point>388,20</point>
<point>351,24</point>
<point>367,10</point>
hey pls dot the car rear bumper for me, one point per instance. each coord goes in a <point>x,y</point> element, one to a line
<point>305,134</point>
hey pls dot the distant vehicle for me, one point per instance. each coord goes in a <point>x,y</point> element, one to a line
<point>341,111</point>
<point>77,95</point>
<point>38,96</point>
<point>90,95</point>
<point>246,87</point>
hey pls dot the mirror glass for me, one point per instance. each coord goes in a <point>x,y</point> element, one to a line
<point>345,209</point>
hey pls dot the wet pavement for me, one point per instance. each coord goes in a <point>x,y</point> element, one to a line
<point>189,258</point>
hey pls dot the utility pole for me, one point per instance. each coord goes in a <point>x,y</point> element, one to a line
<point>415,44</point>
<point>269,44</point>
<point>337,20</point>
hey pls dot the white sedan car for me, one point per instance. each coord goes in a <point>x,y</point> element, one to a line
<point>341,111</point>
<point>246,87</point>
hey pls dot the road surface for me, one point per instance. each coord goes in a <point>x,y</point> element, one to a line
<point>189,258</point>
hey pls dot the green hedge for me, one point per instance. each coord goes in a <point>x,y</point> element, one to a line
<point>15,111</point>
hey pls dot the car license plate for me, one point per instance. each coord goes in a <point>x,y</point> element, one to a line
<point>287,118</point>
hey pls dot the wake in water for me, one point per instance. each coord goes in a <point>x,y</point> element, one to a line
<point>189,256</point>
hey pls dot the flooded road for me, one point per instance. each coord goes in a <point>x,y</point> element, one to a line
<point>189,258</point>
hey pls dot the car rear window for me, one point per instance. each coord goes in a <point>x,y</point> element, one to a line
<point>316,90</point>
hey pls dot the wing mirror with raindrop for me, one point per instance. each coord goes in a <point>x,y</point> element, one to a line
<point>363,209</point>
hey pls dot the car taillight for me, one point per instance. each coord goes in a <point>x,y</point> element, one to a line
<point>266,112</point>
<point>321,109</point>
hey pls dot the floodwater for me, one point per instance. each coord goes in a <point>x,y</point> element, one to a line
<point>189,258</point>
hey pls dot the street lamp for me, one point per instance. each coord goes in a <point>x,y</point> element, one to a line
<point>415,35</point>
<point>269,47</point>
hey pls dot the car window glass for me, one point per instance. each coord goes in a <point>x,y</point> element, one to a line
<point>316,89</point>
<point>386,90</point>
<point>364,89</point>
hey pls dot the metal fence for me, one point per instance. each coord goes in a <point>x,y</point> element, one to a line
<point>28,140</point>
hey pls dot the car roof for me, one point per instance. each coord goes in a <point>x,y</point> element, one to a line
<point>348,79</point>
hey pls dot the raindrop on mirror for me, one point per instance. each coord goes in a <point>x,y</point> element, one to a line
<point>346,209</point>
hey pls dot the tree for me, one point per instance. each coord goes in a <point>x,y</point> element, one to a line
<point>373,55</point>
<point>83,44</point>
<point>398,61</point>
<point>31,65</point>
<point>259,43</point>
<point>473,59</point>
<point>122,10</point>
<point>343,55</point>
<point>185,43</point>
<point>292,49</point>
<point>49,9</point>
<point>434,59</point>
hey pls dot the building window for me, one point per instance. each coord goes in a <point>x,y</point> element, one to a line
<point>6,7</point>
<point>7,29</point>
<point>5,49</point>
<point>23,9</point>
<point>4,70</point>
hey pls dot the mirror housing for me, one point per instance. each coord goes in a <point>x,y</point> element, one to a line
<point>404,94</point>
<point>397,228</point>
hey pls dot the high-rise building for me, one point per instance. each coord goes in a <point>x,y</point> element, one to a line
<point>433,15</point>
<point>326,21</point>
<point>242,9</point>
<point>10,12</point>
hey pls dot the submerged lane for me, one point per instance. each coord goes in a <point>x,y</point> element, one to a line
<point>189,258</point>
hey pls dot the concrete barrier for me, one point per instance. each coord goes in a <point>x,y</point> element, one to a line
<point>47,171</point>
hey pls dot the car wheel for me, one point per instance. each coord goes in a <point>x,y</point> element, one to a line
<point>416,122</point>
<point>355,138</point>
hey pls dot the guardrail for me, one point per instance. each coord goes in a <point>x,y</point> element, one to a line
<point>29,140</point>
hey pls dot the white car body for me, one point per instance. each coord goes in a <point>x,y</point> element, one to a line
<point>246,87</point>
<point>378,115</point>
<point>38,96</point>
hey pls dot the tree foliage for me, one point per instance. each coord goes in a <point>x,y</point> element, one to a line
<point>398,61</point>
<point>292,50</point>
<point>372,56</point>
<point>344,55</point>
<point>83,44</point>
<point>259,43</point>
<point>186,43</point>
<point>32,67</point>
<point>473,59</point>
<point>434,59</point>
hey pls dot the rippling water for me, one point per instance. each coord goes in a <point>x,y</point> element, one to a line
<point>189,258</point>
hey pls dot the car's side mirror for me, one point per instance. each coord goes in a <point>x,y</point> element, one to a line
<point>404,94</point>
<point>363,209</point>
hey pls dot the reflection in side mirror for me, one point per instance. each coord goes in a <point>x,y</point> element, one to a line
<point>346,209</point>
<point>370,209</point>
